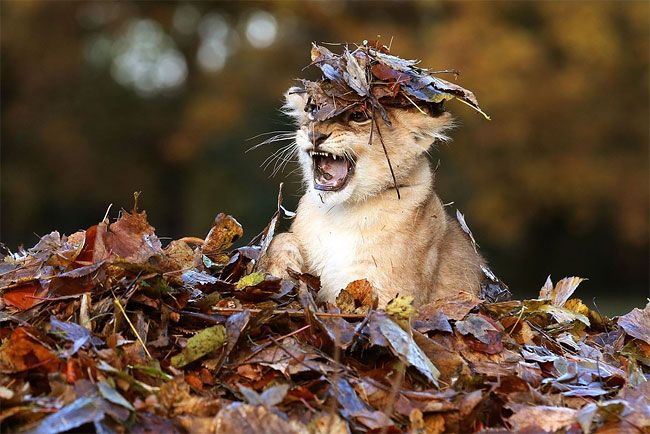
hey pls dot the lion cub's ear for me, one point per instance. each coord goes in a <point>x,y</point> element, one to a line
<point>294,105</point>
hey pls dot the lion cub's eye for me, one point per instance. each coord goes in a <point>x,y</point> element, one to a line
<point>358,116</point>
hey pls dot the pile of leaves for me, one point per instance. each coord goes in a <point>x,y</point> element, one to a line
<point>107,330</point>
<point>370,78</point>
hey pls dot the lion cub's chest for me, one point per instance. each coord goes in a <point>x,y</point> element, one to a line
<point>342,248</point>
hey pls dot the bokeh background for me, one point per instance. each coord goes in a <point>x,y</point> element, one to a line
<point>100,99</point>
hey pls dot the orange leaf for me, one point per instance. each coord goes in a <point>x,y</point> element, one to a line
<point>193,380</point>
<point>21,353</point>
<point>24,296</point>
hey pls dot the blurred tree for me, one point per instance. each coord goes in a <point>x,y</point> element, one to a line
<point>100,99</point>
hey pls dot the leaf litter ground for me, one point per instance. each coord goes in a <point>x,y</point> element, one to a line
<point>106,330</point>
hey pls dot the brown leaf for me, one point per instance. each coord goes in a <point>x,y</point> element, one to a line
<point>454,307</point>
<point>329,423</point>
<point>401,343</point>
<point>79,280</point>
<point>291,358</point>
<point>87,251</point>
<point>448,362</point>
<point>386,73</point>
<point>358,297</point>
<point>176,399</point>
<point>130,238</point>
<point>431,319</point>
<point>637,323</point>
<point>240,418</point>
<point>482,333</point>
<point>178,256</point>
<point>147,423</point>
<point>541,417</point>
<point>224,232</point>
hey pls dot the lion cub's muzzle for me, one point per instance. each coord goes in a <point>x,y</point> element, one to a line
<point>331,172</point>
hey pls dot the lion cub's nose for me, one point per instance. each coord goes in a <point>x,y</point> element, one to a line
<point>317,138</point>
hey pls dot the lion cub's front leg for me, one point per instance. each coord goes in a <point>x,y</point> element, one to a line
<point>283,253</point>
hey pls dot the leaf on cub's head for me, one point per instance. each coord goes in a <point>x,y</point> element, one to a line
<point>368,75</point>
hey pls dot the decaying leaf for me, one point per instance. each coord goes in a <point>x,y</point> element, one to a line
<point>400,308</point>
<point>223,233</point>
<point>112,395</point>
<point>358,297</point>
<point>477,326</point>
<point>328,423</point>
<point>637,323</point>
<point>86,409</point>
<point>484,331</point>
<point>22,352</point>
<point>250,280</point>
<point>560,293</point>
<point>541,417</point>
<point>270,397</point>
<point>403,345</point>
<point>79,335</point>
<point>131,238</point>
<point>24,296</point>
<point>562,315</point>
<point>200,344</point>
<point>248,419</point>
<point>457,307</point>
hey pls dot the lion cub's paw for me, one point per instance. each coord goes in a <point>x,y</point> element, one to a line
<point>282,254</point>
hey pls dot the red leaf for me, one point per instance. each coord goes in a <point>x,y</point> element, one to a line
<point>387,73</point>
<point>24,296</point>
<point>86,255</point>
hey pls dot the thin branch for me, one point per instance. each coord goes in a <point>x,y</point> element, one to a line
<point>390,166</point>
<point>135,332</point>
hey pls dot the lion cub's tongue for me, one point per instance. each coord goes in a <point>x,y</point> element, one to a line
<point>330,174</point>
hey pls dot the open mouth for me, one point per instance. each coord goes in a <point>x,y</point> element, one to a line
<point>331,172</point>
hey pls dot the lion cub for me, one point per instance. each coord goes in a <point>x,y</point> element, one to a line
<point>350,223</point>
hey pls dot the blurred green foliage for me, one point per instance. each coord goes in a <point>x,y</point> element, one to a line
<point>100,99</point>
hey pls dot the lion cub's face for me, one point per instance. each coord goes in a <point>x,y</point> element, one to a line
<point>340,165</point>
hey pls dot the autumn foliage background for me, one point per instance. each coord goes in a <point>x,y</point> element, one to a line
<point>103,99</point>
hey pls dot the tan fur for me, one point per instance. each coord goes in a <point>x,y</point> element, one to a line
<point>407,246</point>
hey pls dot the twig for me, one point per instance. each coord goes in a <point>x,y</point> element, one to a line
<point>521,314</point>
<point>394,392</point>
<point>294,313</point>
<point>485,115</point>
<point>416,106</point>
<point>390,166</point>
<point>311,368</point>
<point>135,332</point>
<point>106,214</point>
<point>192,240</point>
